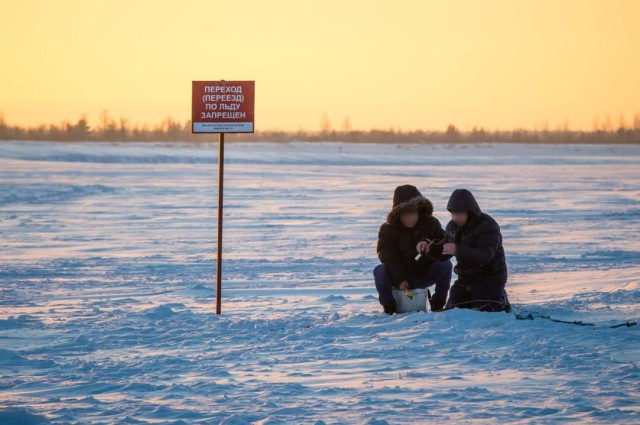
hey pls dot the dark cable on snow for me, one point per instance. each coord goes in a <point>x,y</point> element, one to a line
<point>531,315</point>
<point>524,315</point>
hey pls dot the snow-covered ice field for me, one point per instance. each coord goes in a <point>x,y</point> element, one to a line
<point>107,273</point>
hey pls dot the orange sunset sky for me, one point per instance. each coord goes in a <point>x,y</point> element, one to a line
<point>403,64</point>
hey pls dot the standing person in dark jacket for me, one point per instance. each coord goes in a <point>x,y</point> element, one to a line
<point>474,238</point>
<point>410,222</point>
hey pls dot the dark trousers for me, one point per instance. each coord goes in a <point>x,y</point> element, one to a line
<point>438,273</point>
<point>476,297</point>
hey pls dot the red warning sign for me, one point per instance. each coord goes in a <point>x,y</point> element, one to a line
<point>222,107</point>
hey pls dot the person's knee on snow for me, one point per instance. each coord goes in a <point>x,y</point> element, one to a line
<point>384,287</point>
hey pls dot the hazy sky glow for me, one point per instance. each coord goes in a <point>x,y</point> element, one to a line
<point>404,64</point>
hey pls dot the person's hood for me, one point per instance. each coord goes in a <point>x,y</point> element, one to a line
<point>463,200</point>
<point>423,205</point>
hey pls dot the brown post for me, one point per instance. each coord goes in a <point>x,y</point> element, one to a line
<point>220,211</point>
<point>206,117</point>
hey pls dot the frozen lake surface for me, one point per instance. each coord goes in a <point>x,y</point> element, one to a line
<point>107,273</point>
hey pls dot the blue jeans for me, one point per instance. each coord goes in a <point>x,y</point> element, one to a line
<point>438,273</point>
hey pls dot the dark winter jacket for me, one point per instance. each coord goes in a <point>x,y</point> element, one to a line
<point>397,244</point>
<point>480,256</point>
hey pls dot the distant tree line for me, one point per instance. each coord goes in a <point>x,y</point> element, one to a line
<point>108,129</point>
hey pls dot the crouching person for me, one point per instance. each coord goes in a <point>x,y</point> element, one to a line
<point>474,238</point>
<point>409,222</point>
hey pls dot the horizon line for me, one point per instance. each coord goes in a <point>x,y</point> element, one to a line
<point>106,121</point>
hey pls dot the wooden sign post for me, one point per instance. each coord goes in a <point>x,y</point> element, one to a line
<point>222,107</point>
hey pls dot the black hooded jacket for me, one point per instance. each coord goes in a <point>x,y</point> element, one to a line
<point>397,244</point>
<point>480,255</point>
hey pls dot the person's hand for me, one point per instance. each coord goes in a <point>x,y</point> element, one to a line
<point>449,249</point>
<point>422,247</point>
<point>404,285</point>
